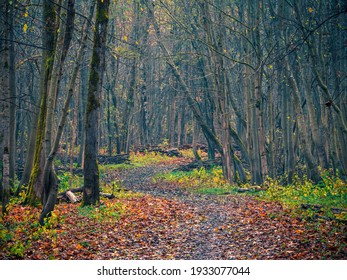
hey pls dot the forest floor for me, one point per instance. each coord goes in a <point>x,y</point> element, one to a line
<point>153,219</point>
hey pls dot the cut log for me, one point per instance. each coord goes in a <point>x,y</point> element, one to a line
<point>107,195</point>
<point>70,195</point>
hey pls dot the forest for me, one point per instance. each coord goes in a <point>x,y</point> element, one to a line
<point>173,129</point>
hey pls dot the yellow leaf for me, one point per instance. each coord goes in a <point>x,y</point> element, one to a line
<point>310,10</point>
<point>125,38</point>
<point>25,27</point>
<point>26,14</point>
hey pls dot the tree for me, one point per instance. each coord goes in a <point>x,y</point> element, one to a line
<point>5,108</point>
<point>43,183</point>
<point>91,192</point>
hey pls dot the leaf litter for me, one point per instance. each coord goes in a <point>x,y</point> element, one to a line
<point>163,221</point>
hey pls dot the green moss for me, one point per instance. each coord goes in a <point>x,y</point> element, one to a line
<point>49,63</point>
<point>31,197</point>
<point>93,103</point>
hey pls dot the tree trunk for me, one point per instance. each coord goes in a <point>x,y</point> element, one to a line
<point>13,97</point>
<point>91,192</point>
<point>50,179</point>
<point>312,168</point>
<point>5,110</point>
<point>35,187</point>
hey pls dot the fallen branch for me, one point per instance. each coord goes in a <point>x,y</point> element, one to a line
<point>69,196</point>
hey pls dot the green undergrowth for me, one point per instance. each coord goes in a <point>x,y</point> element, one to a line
<point>327,200</point>
<point>136,160</point>
<point>114,187</point>
<point>104,213</point>
<point>148,158</point>
<point>199,180</point>
<point>18,232</point>
<point>68,181</point>
<point>188,153</point>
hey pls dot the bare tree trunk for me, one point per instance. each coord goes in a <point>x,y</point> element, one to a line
<point>312,168</point>
<point>13,97</point>
<point>196,130</point>
<point>55,79</point>
<point>316,122</point>
<point>287,126</point>
<point>318,70</point>
<point>5,110</point>
<point>74,123</point>
<point>82,109</point>
<point>35,187</point>
<point>50,178</point>
<point>91,192</point>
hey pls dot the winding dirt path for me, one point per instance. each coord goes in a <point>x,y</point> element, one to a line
<point>235,226</point>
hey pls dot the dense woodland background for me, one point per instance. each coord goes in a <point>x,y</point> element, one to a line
<point>261,83</point>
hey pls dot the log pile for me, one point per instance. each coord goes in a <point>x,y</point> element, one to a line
<point>117,159</point>
<point>201,147</point>
<point>173,152</point>
<point>207,164</point>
